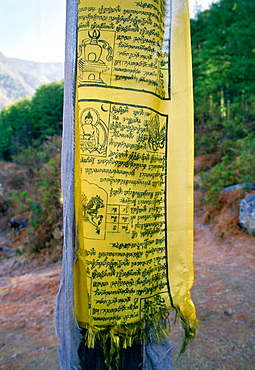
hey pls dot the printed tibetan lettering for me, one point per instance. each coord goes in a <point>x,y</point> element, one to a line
<point>123,153</point>
<point>126,46</point>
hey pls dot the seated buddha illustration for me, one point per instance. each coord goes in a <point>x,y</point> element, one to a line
<point>94,133</point>
<point>90,64</point>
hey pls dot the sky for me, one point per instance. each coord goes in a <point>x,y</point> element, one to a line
<point>35,29</point>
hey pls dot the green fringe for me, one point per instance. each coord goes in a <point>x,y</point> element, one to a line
<point>189,330</point>
<point>154,326</point>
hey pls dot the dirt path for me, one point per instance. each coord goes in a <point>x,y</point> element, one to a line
<point>224,297</point>
<point>223,293</point>
<point>27,336</point>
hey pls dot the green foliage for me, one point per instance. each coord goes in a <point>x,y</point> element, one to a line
<point>47,209</point>
<point>49,185</point>
<point>30,122</point>
<point>6,134</point>
<point>15,127</point>
<point>34,156</point>
<point>20,201</point>
<point>235,168</point>
<point>224,90</point>
<point>224,66</point>
<point>34,193</point>
<point>46,110</point>
<point>37,214</point>
<point>30,137</point>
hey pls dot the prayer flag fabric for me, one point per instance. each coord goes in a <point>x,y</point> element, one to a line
<point>127,173</point>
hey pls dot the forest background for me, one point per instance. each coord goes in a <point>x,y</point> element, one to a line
<point>223,51</point>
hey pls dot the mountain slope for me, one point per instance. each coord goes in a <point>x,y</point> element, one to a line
<point>12,84</point>
<point>20,78</point>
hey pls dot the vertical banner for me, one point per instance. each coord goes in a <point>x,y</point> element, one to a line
<point>133,173</point>
<point>134,163</point>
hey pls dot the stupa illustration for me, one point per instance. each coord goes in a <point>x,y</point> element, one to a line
<point>90,64</point>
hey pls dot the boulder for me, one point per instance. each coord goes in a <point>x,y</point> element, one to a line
<point>247,214</point>
<point>57,233</point>
<point>18,223</point>
<point>232,188</point>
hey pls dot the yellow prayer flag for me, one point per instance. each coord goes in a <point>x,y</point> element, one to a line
<point>133,168</point>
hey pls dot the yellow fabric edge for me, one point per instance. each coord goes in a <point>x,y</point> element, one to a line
<point>180,172</point>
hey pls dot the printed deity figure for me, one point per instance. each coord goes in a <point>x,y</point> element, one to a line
<point>90,134</point>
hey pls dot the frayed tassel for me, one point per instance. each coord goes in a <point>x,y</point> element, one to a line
<point>189,330</point>
<point>151,333</point>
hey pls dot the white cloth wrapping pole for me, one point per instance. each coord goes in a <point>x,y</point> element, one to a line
<point>65,321</point>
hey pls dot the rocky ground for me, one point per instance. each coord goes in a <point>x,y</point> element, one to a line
<point>28,292</point>
<point>224,297</point>
<point>223,293</point>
